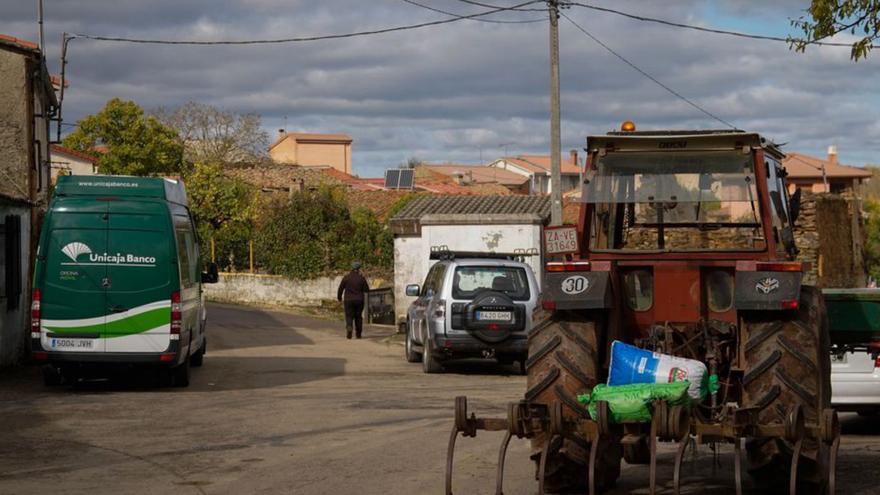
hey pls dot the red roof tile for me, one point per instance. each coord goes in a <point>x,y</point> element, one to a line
<point>800,166</point>
<point>5,39</point>
<point>541,163</point>
<point>480,174</point>
<point>57,148</point>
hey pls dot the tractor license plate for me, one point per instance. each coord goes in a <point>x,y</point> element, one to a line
<point>494,315</point>
<point>72,344</point>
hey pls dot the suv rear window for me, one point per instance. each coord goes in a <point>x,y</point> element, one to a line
<point>468,280</point>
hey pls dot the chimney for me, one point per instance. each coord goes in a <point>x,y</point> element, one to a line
<point>574,156</point>
<point>832,155</point>
<point>280,133</point>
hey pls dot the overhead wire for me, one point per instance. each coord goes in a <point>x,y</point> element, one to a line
<point>494,21</point>
<point>647,75</point>
<point>303,38</point>
<point>490,6</point>
<point>711,30</point>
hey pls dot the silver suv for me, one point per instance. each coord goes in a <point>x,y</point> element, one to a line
<point>471,305</point>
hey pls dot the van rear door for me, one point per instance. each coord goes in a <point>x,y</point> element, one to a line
<point>73,296</point>
<point>139,293</point>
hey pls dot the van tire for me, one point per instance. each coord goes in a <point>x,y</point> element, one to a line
<point>52,376</point>
<point>198,358</point>
<point>180,375</point>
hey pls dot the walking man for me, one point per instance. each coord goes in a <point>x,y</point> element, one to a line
<point>354,286</point>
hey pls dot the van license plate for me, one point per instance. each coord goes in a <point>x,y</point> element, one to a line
<point>494,315</point>
<point>72,344</point>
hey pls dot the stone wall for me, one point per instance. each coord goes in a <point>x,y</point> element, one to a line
<point>830,236</point>
<point>273,290</point>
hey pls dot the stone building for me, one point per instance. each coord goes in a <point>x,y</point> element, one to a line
<point>27,103</point>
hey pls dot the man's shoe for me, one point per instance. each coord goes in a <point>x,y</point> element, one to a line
<point>348,333</point>
<point>358,335</point>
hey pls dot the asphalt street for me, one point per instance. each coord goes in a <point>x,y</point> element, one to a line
<point>285,404</point>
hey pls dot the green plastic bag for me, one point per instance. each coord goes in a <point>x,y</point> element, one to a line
<point>631,403</point>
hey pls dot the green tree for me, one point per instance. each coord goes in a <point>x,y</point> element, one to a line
<point>224,210</point>
<point>872,244</point>
<point>136,145</point>
<point>829,17</point>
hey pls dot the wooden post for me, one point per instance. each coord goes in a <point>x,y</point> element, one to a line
<point>213,255</point>
<point>251,253</point>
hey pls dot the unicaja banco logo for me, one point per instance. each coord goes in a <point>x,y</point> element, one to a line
<point>76,249</point>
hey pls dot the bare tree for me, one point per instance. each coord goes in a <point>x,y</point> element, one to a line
<point>215,135</point>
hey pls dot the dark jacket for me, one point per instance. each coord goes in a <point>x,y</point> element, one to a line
<point>354,285</point>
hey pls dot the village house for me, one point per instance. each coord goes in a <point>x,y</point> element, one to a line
<point>313,150</point>
<point>536,168</point>
<point>820,176</point>
<point>66,161</point>
<point>27,103</point>
<point>466,175</point>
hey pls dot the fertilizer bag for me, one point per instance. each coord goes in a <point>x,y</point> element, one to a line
<point>631,403</point>
<point>629,364</point>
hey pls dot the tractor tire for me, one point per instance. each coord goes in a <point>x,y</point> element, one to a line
<point>787,362</point>
<point>563,363</point>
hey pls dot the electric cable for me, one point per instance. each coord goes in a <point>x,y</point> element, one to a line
<point>494,21</point>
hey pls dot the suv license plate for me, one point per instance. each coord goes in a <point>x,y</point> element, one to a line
<point>494,315</point>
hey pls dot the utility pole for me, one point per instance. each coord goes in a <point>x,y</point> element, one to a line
<point>40,22</point>
<point>555,139</point>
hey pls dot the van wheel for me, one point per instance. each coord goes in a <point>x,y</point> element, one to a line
<point>180,375</point>
<point>199,357</point>
<point>52,376</point>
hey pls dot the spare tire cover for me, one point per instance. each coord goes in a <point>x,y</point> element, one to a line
<point>492,331</point>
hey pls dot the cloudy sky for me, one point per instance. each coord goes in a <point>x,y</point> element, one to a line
<point>468,90</point>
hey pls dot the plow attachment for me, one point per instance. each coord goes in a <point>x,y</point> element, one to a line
<point>525,420</point>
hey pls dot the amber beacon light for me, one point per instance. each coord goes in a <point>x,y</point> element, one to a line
<point>628,126</point>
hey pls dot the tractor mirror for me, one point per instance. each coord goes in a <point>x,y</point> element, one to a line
<point>794,205</point>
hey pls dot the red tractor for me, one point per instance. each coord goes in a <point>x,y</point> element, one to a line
<point>686,248</point>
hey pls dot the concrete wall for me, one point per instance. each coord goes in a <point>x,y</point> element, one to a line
<point>14,125</point>
<point>15,325</point>
<point>336,155</point>
<point>412,253</point>
<point>273,290</point>
<point>71,165</point>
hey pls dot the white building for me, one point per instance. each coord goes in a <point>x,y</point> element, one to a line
<point>66,161</point>
<point>500,224</point>
<point>537,169</point>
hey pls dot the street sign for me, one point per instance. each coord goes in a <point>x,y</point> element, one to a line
<point>561,240</point>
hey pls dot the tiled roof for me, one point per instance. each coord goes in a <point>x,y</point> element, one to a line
<point>800,166</point>
<point>306,137</point>
<point>474,205</point>
<point>480,174</point>
<point>541,163</point>
<point>283,177</point>
<point>379,202</point>
<point>7,40</point>
<point>57,148</point>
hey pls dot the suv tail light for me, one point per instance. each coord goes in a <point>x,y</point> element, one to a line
<point>175,315</point>
<point>440,309</point>
<point>36,314</point>
<point>567,266</point>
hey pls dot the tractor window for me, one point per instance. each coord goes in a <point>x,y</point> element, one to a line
<point>695,201</point>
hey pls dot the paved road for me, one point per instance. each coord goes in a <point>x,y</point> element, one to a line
<point>284,404</point>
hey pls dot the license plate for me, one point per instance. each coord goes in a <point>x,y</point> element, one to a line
<point>838,358</point>
<point>72,344</point>
<point>494,315</point>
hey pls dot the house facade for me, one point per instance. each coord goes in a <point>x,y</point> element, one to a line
<point>536,168</point>
<point>66,161</point>
<point>818,175</point>
<point>313,150</point>
<point>27,103</point>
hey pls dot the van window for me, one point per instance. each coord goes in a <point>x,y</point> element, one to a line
<point>185,248</point>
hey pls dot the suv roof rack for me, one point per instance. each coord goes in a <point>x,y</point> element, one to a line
<point>444,253</point>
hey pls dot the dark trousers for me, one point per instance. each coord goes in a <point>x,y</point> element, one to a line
<point>354,310</point>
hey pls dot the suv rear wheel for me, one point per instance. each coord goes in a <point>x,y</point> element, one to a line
<point>430,364</point>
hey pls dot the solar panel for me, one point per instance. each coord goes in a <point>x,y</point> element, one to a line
<point>392,179</point>
<point>407,177</point>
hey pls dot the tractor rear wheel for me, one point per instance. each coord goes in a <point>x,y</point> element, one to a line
<point>787,363</point>
<point>563,363</point>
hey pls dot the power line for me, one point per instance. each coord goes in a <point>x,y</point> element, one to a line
<point>490,6</point>
<point>304,38</point>
<point>649,76</point>
<point>711,30</point>
<point>494,21</point>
